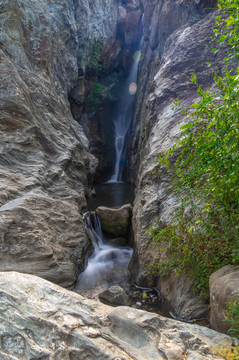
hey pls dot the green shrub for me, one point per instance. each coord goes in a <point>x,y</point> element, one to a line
<point>199,241</point>
<point>206,172</point>
<point>233,317</point>
<point>95,64</point>
<point>94,99</point>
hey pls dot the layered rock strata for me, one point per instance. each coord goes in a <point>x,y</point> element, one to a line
<point>44,158</point>
<point>174,48</point>
<point>40,320</point>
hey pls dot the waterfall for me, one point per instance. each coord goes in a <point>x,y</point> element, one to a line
<point>108,263</point>
<point>93,229</point>
<point>123,117</point>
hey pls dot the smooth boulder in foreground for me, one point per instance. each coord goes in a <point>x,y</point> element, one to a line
<point>41,320</point>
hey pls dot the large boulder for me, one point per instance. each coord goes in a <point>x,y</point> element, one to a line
<point>115,295</point>
<point>115,222</point>
<point>224,288</point>
<point>40,320</point>
<point>178,292</point>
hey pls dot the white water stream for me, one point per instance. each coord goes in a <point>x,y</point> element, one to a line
<point>123,117</point>
<point>106,266</point>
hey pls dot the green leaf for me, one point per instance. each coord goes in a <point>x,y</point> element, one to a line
<point>186,126</point>
<point>230,143</point>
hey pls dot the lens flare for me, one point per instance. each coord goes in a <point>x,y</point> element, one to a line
<point>132,88</point>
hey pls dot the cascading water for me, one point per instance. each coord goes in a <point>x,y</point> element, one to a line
<point>107,264</point>
<point>123,117</point>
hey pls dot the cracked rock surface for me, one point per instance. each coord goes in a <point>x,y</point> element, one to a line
<point>40,320</point>
<point>44,157</point>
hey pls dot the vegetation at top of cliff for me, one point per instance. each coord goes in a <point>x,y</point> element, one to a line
<point>204,165</point>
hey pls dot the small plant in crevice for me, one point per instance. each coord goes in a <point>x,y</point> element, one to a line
<point>96,64</point>
<point>204,168</point>
<point>94,99</point>
<point>232,317</point>
<point>98,81</point>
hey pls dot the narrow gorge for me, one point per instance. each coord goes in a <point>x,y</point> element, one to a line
<point>86,109</point>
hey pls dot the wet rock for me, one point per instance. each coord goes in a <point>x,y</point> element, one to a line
<point>40,320</point>
<point>115,222</point>
<point>224,287</point>
<point>132,22</point>
<point>120,241</point>
<point>115,295</point>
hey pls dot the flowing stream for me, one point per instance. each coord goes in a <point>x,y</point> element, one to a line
<point>106,266</point>
<point>108,263</point>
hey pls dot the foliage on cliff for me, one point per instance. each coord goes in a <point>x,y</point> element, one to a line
<point>204,165</point>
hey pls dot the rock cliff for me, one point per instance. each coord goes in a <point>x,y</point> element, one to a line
<point>40,320</point>
<point>174,47</point>
<point>44,159</point>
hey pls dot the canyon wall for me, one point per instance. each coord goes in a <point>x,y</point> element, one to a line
<point>45,164</point>
<point>174,48</point>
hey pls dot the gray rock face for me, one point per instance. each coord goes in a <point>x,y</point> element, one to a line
<point>44,158</point>
<point>224,287</point>
<point>174,48</point>
<point>115,295</point>
<point>40,320</point>
<point>178,291</point>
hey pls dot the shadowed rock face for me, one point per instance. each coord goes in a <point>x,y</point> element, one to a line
<point>40,320</point>
<point>174,48</point>
<point>44,158</point>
